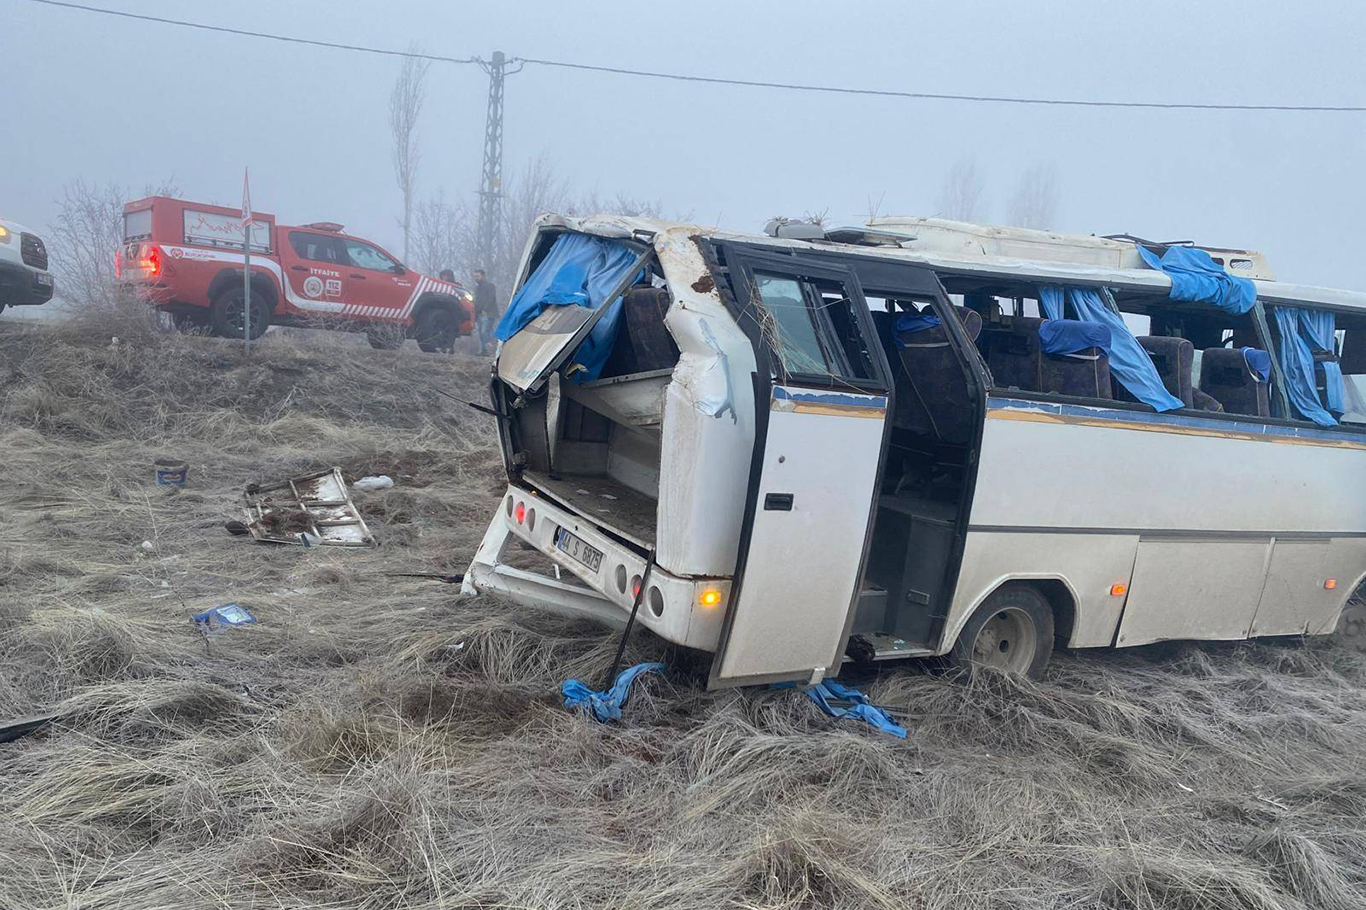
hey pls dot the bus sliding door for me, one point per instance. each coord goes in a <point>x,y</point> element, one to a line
<point>821,406</point>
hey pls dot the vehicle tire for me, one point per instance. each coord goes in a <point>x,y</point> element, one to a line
<point>1351,633</point>
<point>227,315</point>
<point>1012,631</point>
<point>437,330</point>
<point>385,338</point>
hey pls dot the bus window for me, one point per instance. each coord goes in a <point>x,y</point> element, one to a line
<point>811,328</point>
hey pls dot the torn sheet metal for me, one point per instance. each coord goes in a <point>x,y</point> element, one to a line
<point>313,510</point>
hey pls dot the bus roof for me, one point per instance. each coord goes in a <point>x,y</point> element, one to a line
<point>966,263</point>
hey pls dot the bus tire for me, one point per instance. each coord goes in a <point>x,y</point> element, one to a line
<point>1351,632</point>
<point>436,330</point>
<point>227,314</point>
<point>1012,631</point>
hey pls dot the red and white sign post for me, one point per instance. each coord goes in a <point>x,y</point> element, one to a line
<point>246,261</point>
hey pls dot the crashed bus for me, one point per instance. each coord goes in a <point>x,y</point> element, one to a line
<point>923,438</point>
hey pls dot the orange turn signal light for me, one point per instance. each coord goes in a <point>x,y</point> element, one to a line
<point>1330,584</point>
<point>1118,590</point>
<point>710,597</point>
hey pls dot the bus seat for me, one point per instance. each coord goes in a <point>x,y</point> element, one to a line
<point>643,343</point>
<point>1225,377</point>
<point>1084,373</point>
<point>1014,355</point>
<point>909,413</point>
<point>1205,402</point>
<point>1173,358</point>
<point>1353,358</point>
<point>941,404</point>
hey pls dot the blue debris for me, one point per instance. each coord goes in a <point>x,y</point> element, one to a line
<point>858,706</point>
<point>605,705</point>
<point>233,614</point>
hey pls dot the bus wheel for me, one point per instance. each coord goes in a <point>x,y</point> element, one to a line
<point>227,316</point>
<point>437,330</point>
<point>1352,625</point>
<point>1012,631</point>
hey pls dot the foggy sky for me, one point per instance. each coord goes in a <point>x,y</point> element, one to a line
<point>135,103</point>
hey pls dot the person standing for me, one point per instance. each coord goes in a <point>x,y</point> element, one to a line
<point>485,310</point>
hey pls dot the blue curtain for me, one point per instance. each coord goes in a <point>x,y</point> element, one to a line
<point>1300,329</point>
<point>581,271</point>
<point>1196,277</point>
<point>1129,362</point>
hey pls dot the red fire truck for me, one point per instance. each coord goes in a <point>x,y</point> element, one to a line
<point>185,258</point>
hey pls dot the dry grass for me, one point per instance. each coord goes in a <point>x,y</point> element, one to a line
<point>376,742</point>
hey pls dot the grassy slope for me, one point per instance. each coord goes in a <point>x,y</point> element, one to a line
<point>376,742</point>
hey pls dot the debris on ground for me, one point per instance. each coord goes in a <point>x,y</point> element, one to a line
<point>171,473</point>
<point>311,510</point>
<point>382,482</point>
<point>10,730</point>
<point>840,701</point>
<point>232,614</point>
<point>605,705</point>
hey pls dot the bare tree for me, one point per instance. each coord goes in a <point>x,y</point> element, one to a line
<point>86,235</point>
<point>444,233</point>
<point>1035,201</point>
<point>961,195</point>
<point>405,108</point>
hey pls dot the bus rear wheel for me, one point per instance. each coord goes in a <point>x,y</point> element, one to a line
<point>1012,631</point>
<point>1351,632</point>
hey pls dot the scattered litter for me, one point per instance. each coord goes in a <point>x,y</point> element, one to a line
<point>1184,787</point>
<point>148,546</point>
<point>10,730</point>
<point>840,701</point>
<point>294,592</point>
<point>380,482</point>
<point>608,496</point>
<point>605,705</point>
<point>233,614</point>
<point>312,510</point>
<point>583,492</point>
<point>171,473</point>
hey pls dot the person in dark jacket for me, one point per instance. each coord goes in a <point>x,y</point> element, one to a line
<point>485,310</point>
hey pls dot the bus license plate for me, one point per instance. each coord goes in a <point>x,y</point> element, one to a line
<point>578,549</point>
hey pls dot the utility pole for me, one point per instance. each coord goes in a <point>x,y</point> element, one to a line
<point>491,184</point>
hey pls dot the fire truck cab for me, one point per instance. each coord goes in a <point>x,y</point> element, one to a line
<point>186,259</point>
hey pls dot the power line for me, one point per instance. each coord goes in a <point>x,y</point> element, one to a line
<point>249,34</point>
<point>937,96</point>
<point>718,80</point>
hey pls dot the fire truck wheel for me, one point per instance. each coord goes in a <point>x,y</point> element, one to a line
<point>227,315</point>
<point>437,330</point>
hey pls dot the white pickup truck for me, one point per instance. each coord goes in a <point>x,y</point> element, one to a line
<point>24,278</point>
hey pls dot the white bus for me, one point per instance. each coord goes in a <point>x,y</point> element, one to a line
<point>804,447</point>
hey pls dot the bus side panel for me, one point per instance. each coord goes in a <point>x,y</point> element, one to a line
<point>1088,564</point>
<point>1093,474</point>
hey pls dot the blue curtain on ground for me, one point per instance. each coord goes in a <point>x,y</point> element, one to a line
<point>1129,362</point>
<point>1196,277</point>
<point>1297,364</point>
<point>581,271</point>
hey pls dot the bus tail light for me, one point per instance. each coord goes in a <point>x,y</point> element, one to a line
<point>710,597</point>
<point>519,512</point>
